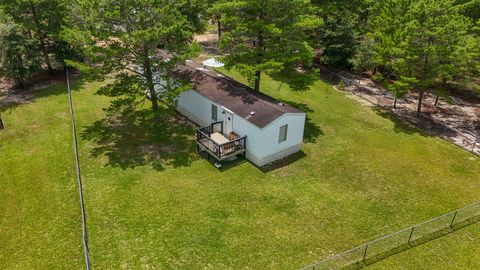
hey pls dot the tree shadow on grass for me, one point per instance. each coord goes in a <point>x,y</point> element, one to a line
<point>312,130</point>
<point>409,123</point>
<point>296,80</point>
<point>300,82</point>
<point>226,164</point>
<point>283,162</point>
<point>131,139</point>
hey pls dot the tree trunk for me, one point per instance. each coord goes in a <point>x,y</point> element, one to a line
<point>151,88</point>
<point>20,82</point>
<point>424,77</point>
<point>419,107</point>
<point>258,74</point>
<point>219,28</point>
<point>395,103</point>
<point>49,64</point>
<point>444,86</point>
<point>20,79</point>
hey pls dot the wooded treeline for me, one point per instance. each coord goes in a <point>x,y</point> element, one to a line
<point>407,45</point>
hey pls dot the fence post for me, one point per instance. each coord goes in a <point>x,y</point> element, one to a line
<point>411,234</point>
<point>453,219</point>
<point>365,253</point>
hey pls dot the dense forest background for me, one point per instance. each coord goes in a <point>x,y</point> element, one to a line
<point>405,45</point>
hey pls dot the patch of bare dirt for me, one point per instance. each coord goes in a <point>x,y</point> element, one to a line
<point>457,120</point>
<point>209,45</point>
<point>10,95</point>
<point>206,38</point>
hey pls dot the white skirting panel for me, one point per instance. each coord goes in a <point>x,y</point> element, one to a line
<point>271,158</point>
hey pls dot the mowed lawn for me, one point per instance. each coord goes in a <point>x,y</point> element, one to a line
<point>152,203</point>
<point>458,250</point>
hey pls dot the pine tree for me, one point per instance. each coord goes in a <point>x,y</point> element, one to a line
<point>124,39</point>
<point>425,40</point>
<point>340,37</point>
<point>266,36</point>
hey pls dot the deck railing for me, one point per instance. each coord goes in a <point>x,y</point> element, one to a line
<point>220,151</point>
<point>233,146</point>
<point>214,127</point>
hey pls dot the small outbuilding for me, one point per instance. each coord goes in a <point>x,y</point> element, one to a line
<point>234,119</point>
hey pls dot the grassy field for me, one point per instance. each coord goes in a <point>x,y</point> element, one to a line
<point>152,203</point>
<point>458,250</point>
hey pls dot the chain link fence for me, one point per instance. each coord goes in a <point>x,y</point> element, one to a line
<point>386,100</point>
<point>394,243</point>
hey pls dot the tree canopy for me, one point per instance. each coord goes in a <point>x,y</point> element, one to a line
<point>268,36</point>
<point>126,39</point>
<point>428,41</point>
<point>41,22</point>
<point>18,57</point>
<point>423,45</point>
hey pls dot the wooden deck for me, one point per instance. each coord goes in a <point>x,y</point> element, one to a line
<point>211,140</point>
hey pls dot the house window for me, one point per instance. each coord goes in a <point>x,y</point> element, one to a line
<point>214,113</point>
<point>283,134</point>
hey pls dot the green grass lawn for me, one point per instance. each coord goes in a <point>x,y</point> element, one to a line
<point>458,250</point>
<point>152,203</point>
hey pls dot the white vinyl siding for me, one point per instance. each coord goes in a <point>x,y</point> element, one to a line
<point>282,136</point>
<point>214,113</point>
<point>262,148</point>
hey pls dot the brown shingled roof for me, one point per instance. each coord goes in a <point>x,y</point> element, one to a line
<point>233,95</point>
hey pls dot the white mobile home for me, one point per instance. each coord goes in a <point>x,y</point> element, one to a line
<point>234,119</point>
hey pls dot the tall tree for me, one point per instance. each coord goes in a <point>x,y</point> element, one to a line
<point>18,57</point>
<point>469,8</point>
<point>194,10</point>
<point>425,40</point>
<point>365,55</point>
<point>266,36</point>
<point>400,88</point>
<point>43,21</point>
<point>345,24</point>
<point>124,39</point>
<point>214,14</point>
